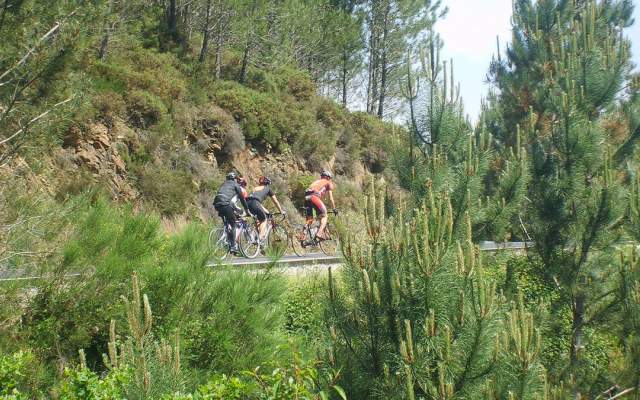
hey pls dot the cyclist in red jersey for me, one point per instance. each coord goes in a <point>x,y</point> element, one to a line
<point>313,200</point>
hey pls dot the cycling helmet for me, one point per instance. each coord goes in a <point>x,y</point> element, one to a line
<point>325,174</point>
<point>242,181</point>
<point>264,180</point>
<point>232,176</point>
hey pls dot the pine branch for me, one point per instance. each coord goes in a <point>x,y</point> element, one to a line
<point>42,39</point>
<point>34,120</point>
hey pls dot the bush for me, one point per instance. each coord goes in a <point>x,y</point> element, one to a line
<point>303,308</point>
<point>145,109</point>
<point>297,83</point>
<point>170,191</point>
<point>84,384</point>
<point>222,129</point>
<point>232,335</point>
<point>108,105</point>
<point>265,120</point>
<point>316,145</point>
<point>228,320</point>
<point>15,372</point>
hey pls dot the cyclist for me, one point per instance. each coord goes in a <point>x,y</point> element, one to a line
<point>229,193</point>
<point>313,200</point>
<point>242,181</point>
<point>255,200</point>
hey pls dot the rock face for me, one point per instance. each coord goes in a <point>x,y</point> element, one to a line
<point>95,149</point>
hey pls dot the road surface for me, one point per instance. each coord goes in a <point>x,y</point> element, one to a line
<point>289,264</point>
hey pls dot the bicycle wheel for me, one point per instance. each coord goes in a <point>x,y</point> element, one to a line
<point>331,246</point>
<point>277,242</point>
<point>218,243</point>
<point>297,236</point>
<point>248,241</point>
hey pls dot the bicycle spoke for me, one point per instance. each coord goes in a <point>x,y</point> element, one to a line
<point>277,243</point>
<point>218,243</point>
<point>249,245</point>
<point>330,246</point>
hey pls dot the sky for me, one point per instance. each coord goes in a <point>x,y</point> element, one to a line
<point>469,33</point>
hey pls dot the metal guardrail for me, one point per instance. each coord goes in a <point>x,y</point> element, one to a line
<point>290,260</point>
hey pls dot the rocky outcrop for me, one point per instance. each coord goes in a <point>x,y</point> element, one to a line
<point>96,150</point>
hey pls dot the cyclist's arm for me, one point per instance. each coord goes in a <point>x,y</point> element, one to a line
<point>277,203</point>
<point>243,201</point>
<point>333,203</point>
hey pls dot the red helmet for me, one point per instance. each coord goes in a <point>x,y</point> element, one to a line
<point>242,181</point>
<point>264,180</point>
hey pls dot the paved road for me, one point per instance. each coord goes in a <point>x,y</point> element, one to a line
<point>313,258</point>
<point>289,264</point>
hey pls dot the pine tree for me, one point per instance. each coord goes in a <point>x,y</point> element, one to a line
<point>415,316</point>
<point>564,68</point>
<point>445,154</point>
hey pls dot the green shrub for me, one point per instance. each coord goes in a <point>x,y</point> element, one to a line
<point>14,372</point>
<point>296,82</point>
<point>224,387</point>
<point>137,68</point>
<point>315,144</point>
<point>231,335</point>
<point>303,308</point>
<point>145,109</point>
<point>84,384</point>
<point>170,191</point>
<point>264,119</point>
<point>108,104</point>
<point>261,80</point>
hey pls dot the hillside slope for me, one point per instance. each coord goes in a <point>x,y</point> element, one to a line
<point>151,130</point>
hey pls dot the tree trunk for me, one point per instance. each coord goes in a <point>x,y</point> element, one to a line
<point>218,56</point>
<point>172,19</point>
<point>383,84</point>
<point>205,34</point>
<point>345,60</point>
<point>369,76</point>
<point>102,51</point>
<point>576,340</point>
<point>383,66</point>
<point>104,43</point>
<point>245,63</point>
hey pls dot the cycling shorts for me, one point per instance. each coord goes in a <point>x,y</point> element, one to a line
<point>255,207</point>
<point>312,202</point>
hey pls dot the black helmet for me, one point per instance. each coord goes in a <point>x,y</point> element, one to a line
<point>264,180</point>
<point>232,176</point>
<point>325,174</point>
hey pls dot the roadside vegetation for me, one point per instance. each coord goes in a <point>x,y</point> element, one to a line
<point>122,117</point>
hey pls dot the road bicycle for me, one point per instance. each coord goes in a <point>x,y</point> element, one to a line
<point>219,239</point>
<point>278,236</point>
<point>307,240</point>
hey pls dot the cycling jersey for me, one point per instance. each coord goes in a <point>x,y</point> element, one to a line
<point>313,196</point>
<point>260,193</point>
<point>319,187</point>
<point>229,193</point>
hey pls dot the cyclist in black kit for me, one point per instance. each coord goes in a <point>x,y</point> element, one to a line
<point>228,194</point>
<point>255,199</point>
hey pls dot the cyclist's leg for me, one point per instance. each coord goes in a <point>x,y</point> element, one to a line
<point>321,210</point>
<point>308,212</point>
<point>229,219</point>
<point>256,209</point>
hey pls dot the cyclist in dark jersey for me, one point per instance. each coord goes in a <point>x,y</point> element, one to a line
<point>255,200</point>
<point>227,195</point>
